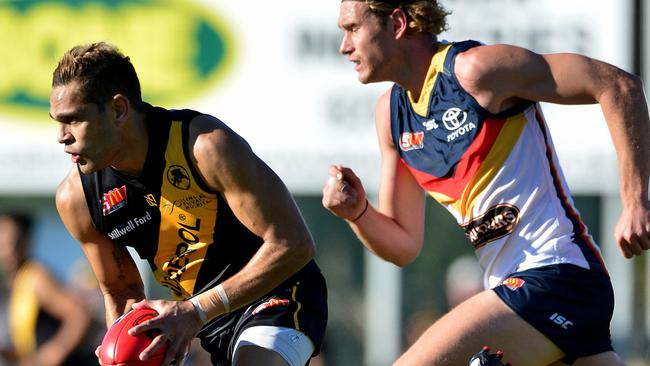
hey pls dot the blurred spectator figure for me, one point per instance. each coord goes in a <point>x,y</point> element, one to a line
<point>6,348</point>
<point>463,279</point>
<point>417,322</point>
<point>84,286</point>
<point>44,322</point>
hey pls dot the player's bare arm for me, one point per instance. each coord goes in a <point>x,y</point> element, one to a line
<point>261,202</point>
<point>73,318</point>
<point>513,74</point>
<point>117,274</point>
<point>395,230</point>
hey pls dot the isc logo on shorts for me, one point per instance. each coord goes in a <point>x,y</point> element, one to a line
<point>561,321</point>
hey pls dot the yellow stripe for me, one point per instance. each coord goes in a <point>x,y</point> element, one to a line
<point>23,310</point>
<point>179,227</point>
<point>421,107</point>
<point>295,315</point>
<point>500,151</point>
<point>442,198</point>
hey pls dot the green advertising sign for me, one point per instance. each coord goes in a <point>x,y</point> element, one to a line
<point>179,48</point>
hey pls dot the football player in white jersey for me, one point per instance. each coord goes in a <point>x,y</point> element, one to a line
<point>549,298</point>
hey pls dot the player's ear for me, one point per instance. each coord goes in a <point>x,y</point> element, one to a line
<point>121,107</point>
<point>399,20</point>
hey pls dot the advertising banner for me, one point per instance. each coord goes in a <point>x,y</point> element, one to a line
<point>271,71</point>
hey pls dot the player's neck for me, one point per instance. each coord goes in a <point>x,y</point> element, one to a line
<point>415,67</point>
<point>134,147</point>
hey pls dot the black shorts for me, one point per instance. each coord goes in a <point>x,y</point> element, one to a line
<point>299,303</point>
<point>570,305</point>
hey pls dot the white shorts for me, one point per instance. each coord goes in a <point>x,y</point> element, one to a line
<point>293,345</point>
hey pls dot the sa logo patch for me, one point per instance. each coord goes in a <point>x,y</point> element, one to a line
<point>412,141</point>
<point>513,283</point>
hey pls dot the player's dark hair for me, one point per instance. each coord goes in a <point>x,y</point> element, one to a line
<point>425,16</point>
<point>102,72</point>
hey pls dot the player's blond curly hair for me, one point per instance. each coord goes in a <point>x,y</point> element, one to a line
<point>425,16</point>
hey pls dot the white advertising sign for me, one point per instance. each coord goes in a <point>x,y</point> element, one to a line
<point>275,75</point>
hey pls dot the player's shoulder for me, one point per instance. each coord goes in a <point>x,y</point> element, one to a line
<point>70,189</point>
<point>205,122</point>
<point>483,60</point>
<point>211,138</point>
<point>73,209</point>
<point>475,62</point>
<point>70,186</point>
<point>382,107</point>
<point>218,152</point>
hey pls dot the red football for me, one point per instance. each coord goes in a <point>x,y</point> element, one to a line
<point>121,349</point>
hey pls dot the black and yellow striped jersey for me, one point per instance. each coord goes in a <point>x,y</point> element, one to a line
<point>186,231</point>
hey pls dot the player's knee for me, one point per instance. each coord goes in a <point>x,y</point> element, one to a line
<point>602,359</point>
<point>255,355</point>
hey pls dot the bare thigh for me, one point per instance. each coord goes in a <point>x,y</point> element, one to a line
<point>254,355</point>
<point>481,320</point>
<point>602,359</point>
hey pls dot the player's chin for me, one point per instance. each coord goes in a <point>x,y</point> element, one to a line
<point>87,167</point>
<point>368,78</point>
<point>364,79</point>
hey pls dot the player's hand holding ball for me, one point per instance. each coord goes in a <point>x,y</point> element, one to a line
<point>119,348</point>
<point>172,325</point>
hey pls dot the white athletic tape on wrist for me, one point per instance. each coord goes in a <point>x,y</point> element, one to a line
<point>199,310</point>
<point>223,297</point>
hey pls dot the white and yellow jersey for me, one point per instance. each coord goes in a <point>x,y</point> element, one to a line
<point>498,175</point>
